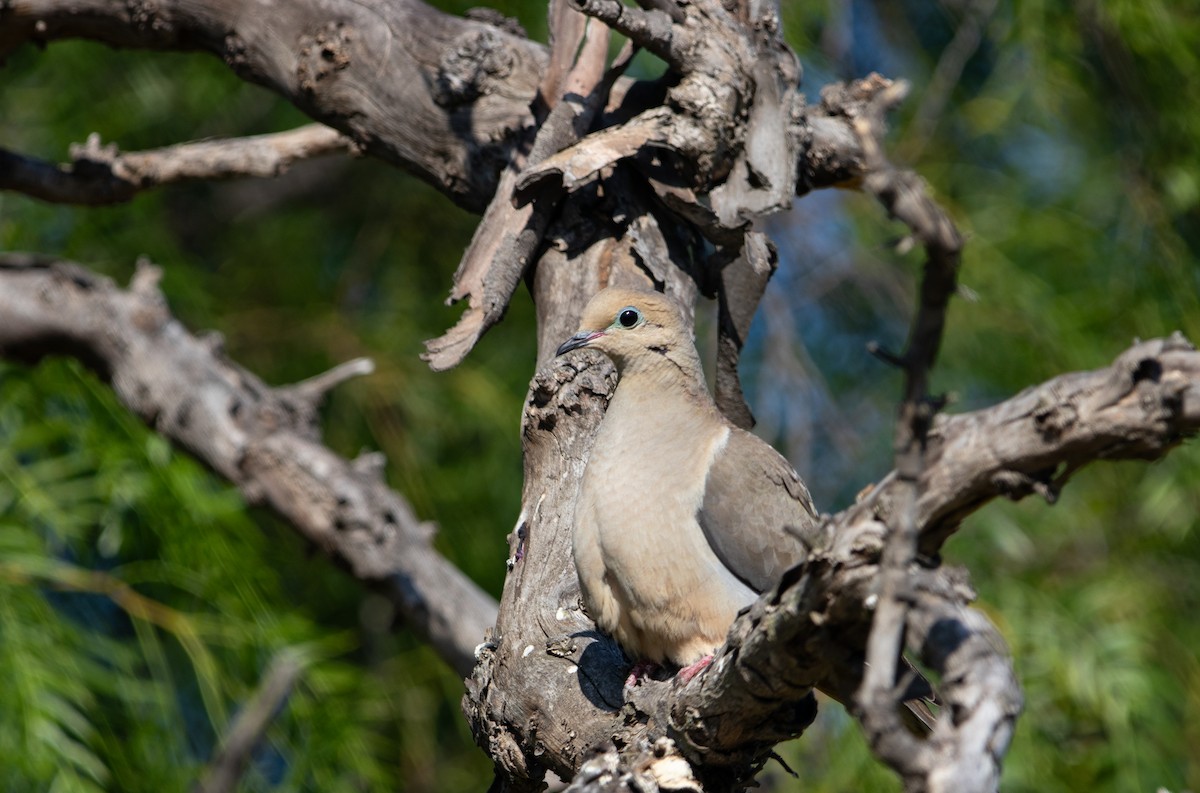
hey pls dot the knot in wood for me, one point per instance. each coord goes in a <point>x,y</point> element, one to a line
<point>323,53</point>
<point>145,15</point>
<point>1053,420</point>
<point>471,65</point>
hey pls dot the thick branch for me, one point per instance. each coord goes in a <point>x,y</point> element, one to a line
<point>264,440</point>
<point>812,630</point>
<point>1140,407</point>
<point>440,95</point>
<point>507,239</point>
<point>444,97</point>
<point>980,694</point>
<point>99,174</point>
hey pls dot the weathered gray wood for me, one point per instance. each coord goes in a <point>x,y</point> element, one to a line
<point>442,96</point>
<point>100,173</point>
<point>450,99</point>
<point>264,440</point>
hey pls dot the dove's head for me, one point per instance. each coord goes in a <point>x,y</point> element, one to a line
<point>634,328</point>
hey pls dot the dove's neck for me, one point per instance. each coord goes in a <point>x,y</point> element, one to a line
<point>667,381</point>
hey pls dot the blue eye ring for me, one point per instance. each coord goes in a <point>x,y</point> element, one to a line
<point>629,317</point>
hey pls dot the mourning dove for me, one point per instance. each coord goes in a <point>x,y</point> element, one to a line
<point>682,518</point>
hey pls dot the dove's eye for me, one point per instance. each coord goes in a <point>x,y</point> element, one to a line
<point>628,317</point>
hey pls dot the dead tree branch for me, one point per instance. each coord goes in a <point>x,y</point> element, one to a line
<point>506,241</point>
<point>442,96</point>
<point>457,103</point>
<point>810,632</point>
<point>264,440</point>
<point>1139,408</point>
<point>883,688</point>
<point>246,733</point>
<point>723,141</point>
<point>101,174</point>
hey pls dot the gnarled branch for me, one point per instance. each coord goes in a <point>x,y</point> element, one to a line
<point>264,440</point>
<point>442,96</point>
<point>810,631</point>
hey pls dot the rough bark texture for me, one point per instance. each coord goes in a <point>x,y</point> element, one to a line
<point>264,440</point>
<point>549,688</point>
<point>602,182</point>
<point>442,96</point>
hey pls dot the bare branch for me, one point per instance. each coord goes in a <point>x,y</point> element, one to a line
<point>99,174</point>
<point>506,241</point>
<point>442,96</point>
<point>316,387</point>
<point>449,103</point>
<point>454,103</point>
<point>945,77</point>
<point>264,440</point>
<point>653,29</point>
<point>981,695</point>
<point>1138,408</point>
<point>809,632</point>
<point>904,195</point>
<point>727,118</point>
<point>248,730</point>
<point>833,154</point>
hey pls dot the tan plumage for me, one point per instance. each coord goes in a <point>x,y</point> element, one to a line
<point>682,518</point>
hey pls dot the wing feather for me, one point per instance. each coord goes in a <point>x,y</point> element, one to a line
<point>755,510</point>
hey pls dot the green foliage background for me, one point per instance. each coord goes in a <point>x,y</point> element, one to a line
<point>140,601</point>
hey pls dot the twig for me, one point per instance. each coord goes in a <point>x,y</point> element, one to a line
<point>100,174</point>
<point>654,29</point>
<point>250,727</point>
<point>946,75</point>
<point>315,387</point>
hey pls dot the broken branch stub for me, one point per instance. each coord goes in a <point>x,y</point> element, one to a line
<point>507,239</point>
<point>721,151</point>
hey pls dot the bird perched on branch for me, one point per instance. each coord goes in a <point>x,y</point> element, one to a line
<point>682,518</point>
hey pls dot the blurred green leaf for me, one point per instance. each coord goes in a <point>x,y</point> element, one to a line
<point>1067,152</point>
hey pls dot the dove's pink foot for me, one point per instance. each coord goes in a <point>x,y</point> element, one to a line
<point>640,669</point>
<point>688,672</point>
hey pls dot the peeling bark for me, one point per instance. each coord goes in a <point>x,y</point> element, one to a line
<point>661,190</point>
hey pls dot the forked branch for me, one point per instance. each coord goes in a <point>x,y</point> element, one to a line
<point>264,440</point>
<point>809,632</point>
